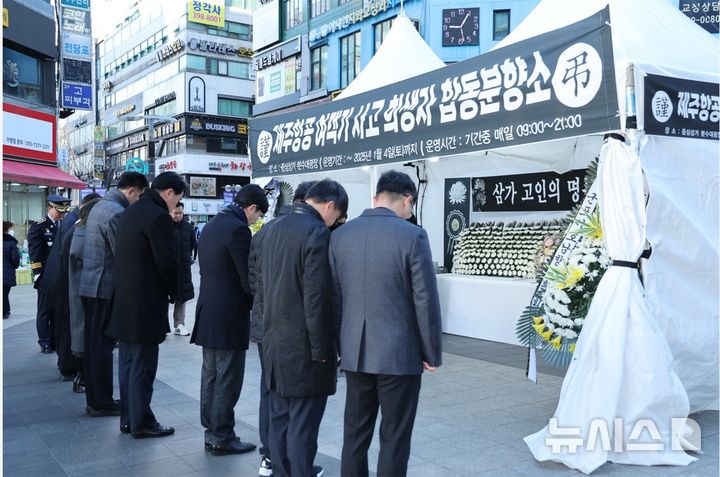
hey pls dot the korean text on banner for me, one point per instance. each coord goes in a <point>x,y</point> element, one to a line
<point>210,12</point>
<point>556,85</point>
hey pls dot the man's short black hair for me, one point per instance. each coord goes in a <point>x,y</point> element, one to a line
<point>180,204</point>
<point>252,194</point>
<point>302,189</point>
<point>394,182</point>
<point>132,179</point>
<point>170,180</point>
<point>89,197</point>
<point>328,190</point>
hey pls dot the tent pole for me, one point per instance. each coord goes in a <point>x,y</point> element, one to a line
<point>373,183</point>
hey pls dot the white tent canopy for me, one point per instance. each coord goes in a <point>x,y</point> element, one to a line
<point>402,55</point>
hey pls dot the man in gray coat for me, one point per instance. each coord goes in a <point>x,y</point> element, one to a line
<point>96,289</point>
<point>390,329</point>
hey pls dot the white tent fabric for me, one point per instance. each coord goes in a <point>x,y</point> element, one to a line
<point>621,366</point>
<point>655,32</point>
<point>402,55</point>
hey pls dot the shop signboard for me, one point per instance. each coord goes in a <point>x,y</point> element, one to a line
<point>203,207</point>
<point>207,12</point>
<point>556,85</point>
<point>76,46</point>
<point>544,191</point>
<point>682,108</point>
<point>136,164</point>
<point>77,71</point>
<point>82,4</point>
<point>28,133</point>
<point>705,14</point>
<point>76,96</point>
<point>203,186</point>
<point>196,94</point>
<point>76,21</point>
<point>219,48</point>
<point>217,126</point>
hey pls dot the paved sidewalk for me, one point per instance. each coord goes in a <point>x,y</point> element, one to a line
<point>472,416</point>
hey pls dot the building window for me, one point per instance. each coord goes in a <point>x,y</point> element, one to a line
<point>22,76</point>
<point>380,32</point>
<point>195,62</point>
<point>293,13</point>
<point>240,31</point>
<point>239,70</point>
<point>349,58</point>
<point>225,145</point>
<point>501,24</point>
<point>233,107</point>
<point>319,68</point>
<point>343,2</point>
<point>319,7</point>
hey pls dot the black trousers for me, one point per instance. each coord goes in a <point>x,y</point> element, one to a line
<point>221,382</point>
<point>6,300</point>
<point>68,364</point>
<point>44,321</point>
<point>98,362</point>
<point>264,411</point>
<point>137,369</point>
<point>294,426</point>
<point>397,399</point>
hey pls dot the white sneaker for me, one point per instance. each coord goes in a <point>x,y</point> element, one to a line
<point>265,467</point>
<point>181,330</point>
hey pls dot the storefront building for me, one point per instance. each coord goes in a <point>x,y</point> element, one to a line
<point>175,94</point>
<point>30,169</point>
<point>306,56</point>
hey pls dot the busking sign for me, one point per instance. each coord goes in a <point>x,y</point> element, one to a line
<point>559,84</point>
<point>681,107</point>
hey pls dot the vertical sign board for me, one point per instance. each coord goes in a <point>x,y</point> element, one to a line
<point>196,95</point>
<point>457,215</point>
<point>76,55</point>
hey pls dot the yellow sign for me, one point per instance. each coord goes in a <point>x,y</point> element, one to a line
<point>209,12</point>
<point>6,17</point>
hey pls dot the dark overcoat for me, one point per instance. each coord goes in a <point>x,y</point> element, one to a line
<point>146,272</point>
<point>222,313</point>
<point>11,260</point>
<point>186,244</point>
<point>299,352</point>
<point>40,237</point>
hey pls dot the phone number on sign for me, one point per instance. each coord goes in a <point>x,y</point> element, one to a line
<point>557,124</point>
<point>205,17</point>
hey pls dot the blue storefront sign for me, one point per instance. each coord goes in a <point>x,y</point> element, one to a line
<point>76,45</point>
<point>77,96</point>
<point>135,164</point>
<point>84,4</point>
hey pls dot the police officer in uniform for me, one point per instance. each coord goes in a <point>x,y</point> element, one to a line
<point>40,238</point>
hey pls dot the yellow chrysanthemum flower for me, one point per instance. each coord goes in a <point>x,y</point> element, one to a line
<point>556,342</point>
<point>573,275</point>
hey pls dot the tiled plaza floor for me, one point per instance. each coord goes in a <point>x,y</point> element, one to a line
<point>472,416</point>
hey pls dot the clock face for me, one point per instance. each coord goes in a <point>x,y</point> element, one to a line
<point>460,27</point>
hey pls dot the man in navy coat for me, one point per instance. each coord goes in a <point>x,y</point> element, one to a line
<point>222,316</point>
<point>391,328</point>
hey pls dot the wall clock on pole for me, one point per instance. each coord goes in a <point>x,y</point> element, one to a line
<point>461,27</point>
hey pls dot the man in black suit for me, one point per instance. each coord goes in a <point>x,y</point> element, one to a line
<point>222,316</point>
<point>299,341</point>
<point>391,327</point>
<point>146,274</point>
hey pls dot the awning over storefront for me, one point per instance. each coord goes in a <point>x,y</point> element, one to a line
<point>41,175</point>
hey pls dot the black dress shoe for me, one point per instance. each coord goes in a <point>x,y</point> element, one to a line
<point>109,410</point>
<point>46,349</point>
<point>208,446</point>
<point>65,378</point>
<point>233,447</point>
<point>125,428</point>
<point>156,430</point>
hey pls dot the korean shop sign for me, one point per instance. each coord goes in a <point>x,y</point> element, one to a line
<point>556,85</point>
<point>209,12</point>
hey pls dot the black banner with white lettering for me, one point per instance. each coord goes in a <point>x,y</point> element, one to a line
<point>705,14</point>
<point>556,85</point>
<point>457,215</point>
<point>681,107</point>
<point>544,191</point>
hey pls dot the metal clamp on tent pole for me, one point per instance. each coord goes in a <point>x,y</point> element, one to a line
<point>630,109</point>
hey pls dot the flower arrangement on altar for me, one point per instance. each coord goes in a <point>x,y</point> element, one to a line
<point>571,287</point>
<point>502,250</point>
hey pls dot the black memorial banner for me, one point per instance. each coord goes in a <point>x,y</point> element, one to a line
<point>556,85</point>
<point>681,107</point>
<point>528,192</point>
<point>457,214</point>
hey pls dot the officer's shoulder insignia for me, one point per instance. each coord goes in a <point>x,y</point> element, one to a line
<point>41,221</point>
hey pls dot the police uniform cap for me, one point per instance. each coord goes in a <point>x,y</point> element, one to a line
<point>59,202</point>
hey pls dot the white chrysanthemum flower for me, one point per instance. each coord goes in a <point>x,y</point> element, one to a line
<point>457,193</point>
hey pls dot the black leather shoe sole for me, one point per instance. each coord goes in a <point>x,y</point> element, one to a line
<point>125,428</point>
<point>105,412</point>
<point>154,432</point>
<point>242,449</point>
